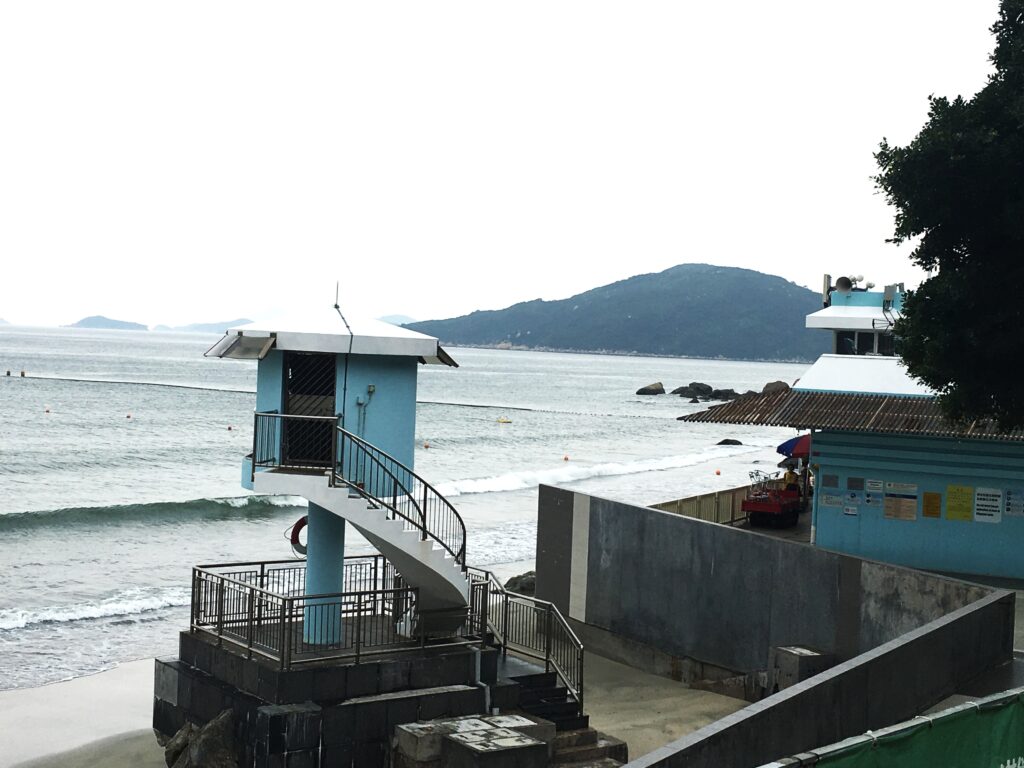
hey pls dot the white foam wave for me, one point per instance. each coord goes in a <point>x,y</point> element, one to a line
<point>517,481</point>
<point>129,602</point>
<point>276,501</point>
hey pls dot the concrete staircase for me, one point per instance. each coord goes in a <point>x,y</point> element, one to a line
<point>423,564</point>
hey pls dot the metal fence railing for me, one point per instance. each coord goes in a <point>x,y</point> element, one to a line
<point>260,608</point>
<point>715,507</point>
<point>534,628</point>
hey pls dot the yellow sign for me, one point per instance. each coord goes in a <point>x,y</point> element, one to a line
<point>932,505</point>
<point>959,502</point>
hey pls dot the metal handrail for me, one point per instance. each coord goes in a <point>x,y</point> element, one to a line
<point>511,626</point>
<point>372,473</point>
<point>420,505</point>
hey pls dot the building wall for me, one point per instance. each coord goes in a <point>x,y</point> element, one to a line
<point>270,382</point>
<point>388,420</point>
<point>940,504</point>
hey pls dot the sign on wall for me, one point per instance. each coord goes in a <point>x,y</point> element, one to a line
<point>901,501</point>
<point>988,505</point>
<point>1014,501</point>
<point>873,486</point>
<point>831,500</point>
<point>931,505</point>
<point>959,502</point>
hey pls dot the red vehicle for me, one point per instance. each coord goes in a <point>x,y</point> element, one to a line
<point>768,503</point>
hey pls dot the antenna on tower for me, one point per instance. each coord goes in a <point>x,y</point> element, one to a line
<point>337,308</point>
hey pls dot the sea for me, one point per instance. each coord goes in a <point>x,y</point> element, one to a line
<point>120,468</point>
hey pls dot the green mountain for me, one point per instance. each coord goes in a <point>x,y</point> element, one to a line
<point>695,310</point>
<point>99,321</point>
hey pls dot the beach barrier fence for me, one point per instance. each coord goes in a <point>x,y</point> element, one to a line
<point>723,507</point>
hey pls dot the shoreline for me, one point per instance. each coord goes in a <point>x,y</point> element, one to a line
<point>58,718</point>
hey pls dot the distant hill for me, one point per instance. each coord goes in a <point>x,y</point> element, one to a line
<point>99,321</point>
<point>204,327</point>
<point>695,310</point>
<point>397,319</point>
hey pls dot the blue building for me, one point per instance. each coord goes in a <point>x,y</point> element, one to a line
<point>894,480</point>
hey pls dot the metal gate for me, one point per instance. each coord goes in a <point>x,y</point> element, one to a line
<point>309,390</point>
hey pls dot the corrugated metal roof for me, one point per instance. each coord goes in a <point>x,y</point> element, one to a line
<point>849,412</point>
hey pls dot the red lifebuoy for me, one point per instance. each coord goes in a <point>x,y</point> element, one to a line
<point>297,545</point>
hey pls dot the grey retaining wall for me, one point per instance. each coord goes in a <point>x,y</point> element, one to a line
<point>676,593</point>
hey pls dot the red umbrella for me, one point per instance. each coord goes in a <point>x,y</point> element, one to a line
<point>798,447</point>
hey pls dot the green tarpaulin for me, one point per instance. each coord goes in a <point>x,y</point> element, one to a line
<point>988,736</point>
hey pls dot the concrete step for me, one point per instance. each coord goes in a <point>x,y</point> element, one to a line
<point>604,747</point>
<point>572,723</point>
<point>601,762</point>
<point>538,680</point>
<point>577,738</point>
<point>539,695</point>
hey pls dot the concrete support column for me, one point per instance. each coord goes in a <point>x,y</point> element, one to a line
<point>325,574</point>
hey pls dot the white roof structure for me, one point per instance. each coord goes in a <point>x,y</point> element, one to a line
<point>861,374</point>
<point>327,332</point>
<point>851,318</point>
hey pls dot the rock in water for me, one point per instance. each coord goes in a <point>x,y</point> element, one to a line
<point>524,583</point>
<point>729,441</point>
<point>724,394</point>
<point>657,388</point>
<point>694,389</point>
<point>775,386</point>
<point>694,400</point>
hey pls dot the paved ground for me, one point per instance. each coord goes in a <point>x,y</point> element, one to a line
<point>647,711</point>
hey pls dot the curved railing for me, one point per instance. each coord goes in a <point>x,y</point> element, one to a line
<point>382,479</point>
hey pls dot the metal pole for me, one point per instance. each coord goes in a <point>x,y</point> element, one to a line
<point>249,621</point>
<point>252,466</point>
<point>359,631</point>
<point>423,512</point>
<point>284,631</point>
<point>547,640</point>
<point>220,612</point>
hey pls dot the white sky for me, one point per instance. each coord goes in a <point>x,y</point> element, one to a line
<point>197,161</point>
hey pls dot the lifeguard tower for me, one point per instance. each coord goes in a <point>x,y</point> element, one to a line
<point>320,659</point>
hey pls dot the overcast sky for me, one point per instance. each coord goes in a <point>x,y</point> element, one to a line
<point>199,161</point>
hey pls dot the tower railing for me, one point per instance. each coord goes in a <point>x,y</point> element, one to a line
<point>382,479</point>
<point>321,444</point>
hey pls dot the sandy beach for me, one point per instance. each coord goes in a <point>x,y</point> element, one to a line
<point>101,719</point>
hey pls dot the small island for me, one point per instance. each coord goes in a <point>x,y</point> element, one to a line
<point>106,323</point>
<point>220,327</point>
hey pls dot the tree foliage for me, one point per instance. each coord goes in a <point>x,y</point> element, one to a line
<point>959,188</point>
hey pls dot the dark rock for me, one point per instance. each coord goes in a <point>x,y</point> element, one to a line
<point>729,441</point>
<point>750,392</point>
<point>693,389</point>
<point>775,386</point>
<point>694,400</point>
<point>657,388</point>
<point>724,394</point>
<point>524,584</point>
<point>178,744</point>
<point>214,745</point>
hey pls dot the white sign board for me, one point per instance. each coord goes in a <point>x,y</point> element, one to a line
<point>988,505</point>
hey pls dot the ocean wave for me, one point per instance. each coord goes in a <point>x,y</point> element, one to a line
<point>517,481</point>
<point>160,511</point>
<point>128,603</point>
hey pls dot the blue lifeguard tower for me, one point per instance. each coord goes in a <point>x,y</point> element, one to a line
<point>335,424</point>
<point>317,661</point>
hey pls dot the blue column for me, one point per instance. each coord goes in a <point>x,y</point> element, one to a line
<point>325,574</point>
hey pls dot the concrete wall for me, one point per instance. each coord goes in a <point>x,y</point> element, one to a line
<point>672,593</point>
<point>718,595</point>
<point>912,501</point>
